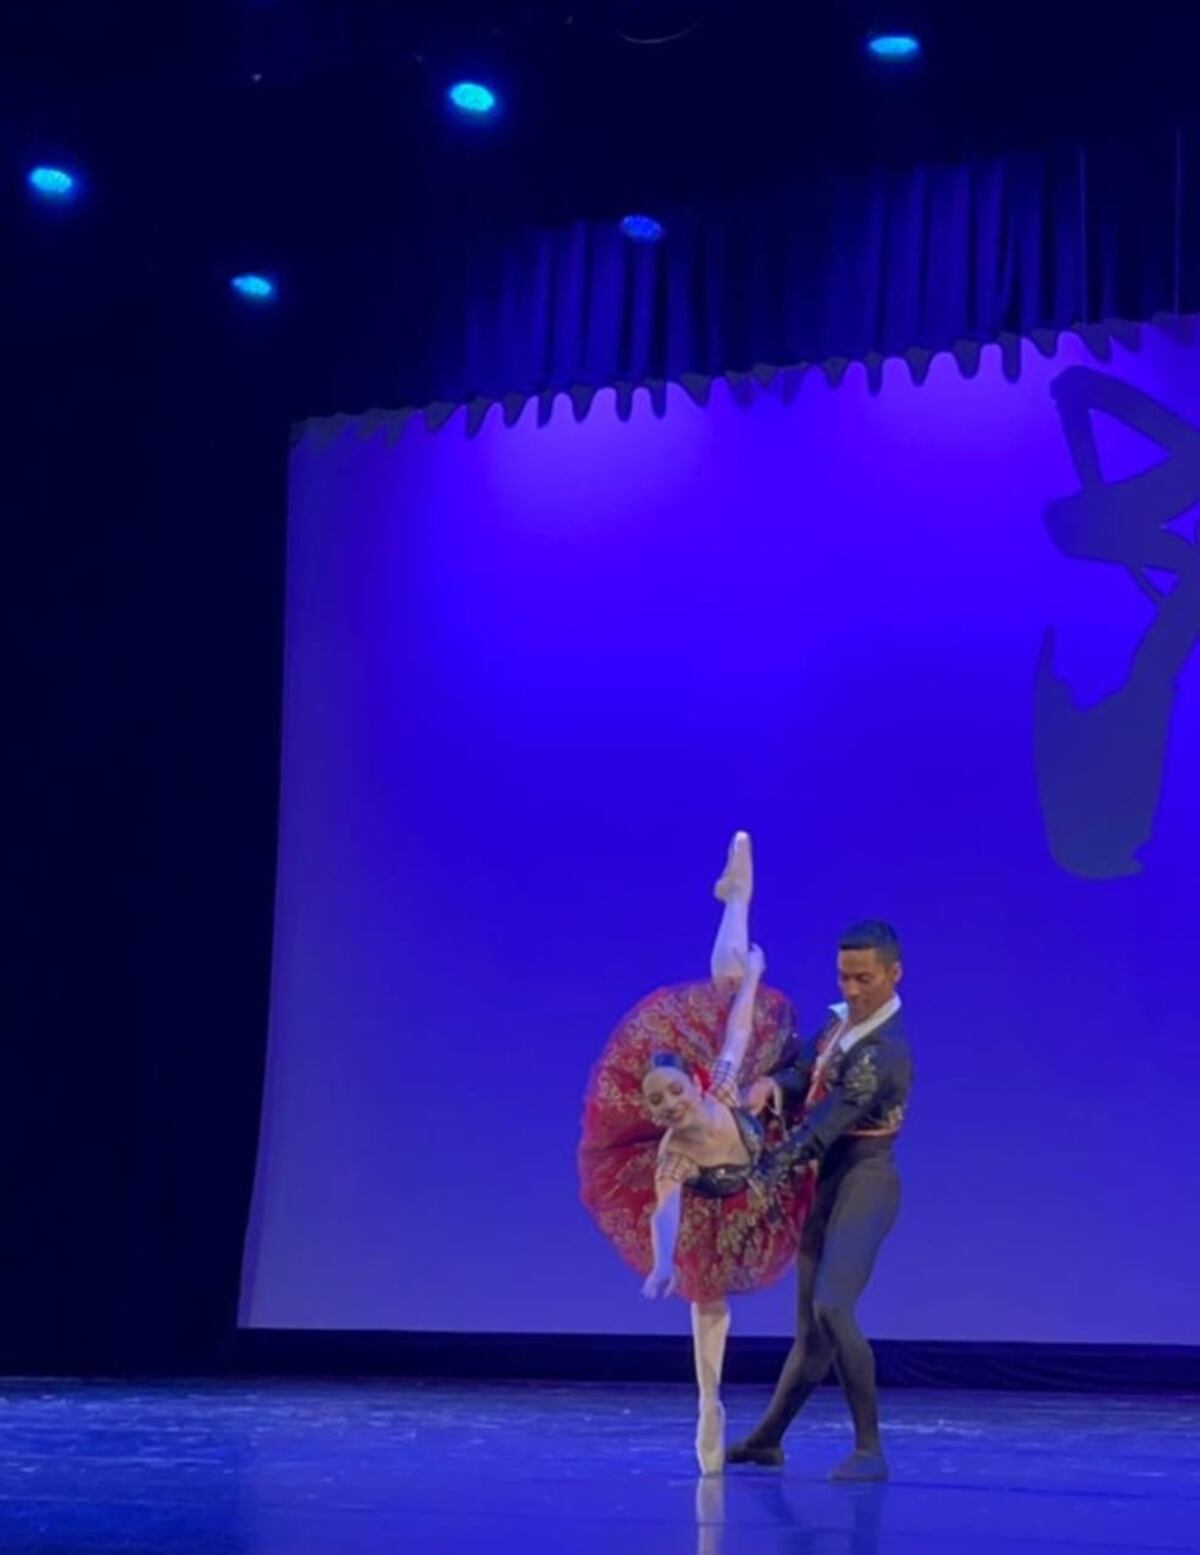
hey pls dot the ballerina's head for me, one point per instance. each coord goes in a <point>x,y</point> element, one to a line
<point>671,1091</point>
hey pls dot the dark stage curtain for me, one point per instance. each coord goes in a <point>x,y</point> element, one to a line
<point>897,262</point>
<point>143,555</point>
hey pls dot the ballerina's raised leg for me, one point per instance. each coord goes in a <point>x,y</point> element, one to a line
<point>734,890</point>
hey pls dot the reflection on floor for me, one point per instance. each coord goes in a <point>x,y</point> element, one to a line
<point>291,1468</point>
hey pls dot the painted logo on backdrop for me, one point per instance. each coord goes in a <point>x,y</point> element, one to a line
<point>1100,767</point>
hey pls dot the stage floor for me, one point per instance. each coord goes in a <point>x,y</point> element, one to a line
<point>290,1468</point>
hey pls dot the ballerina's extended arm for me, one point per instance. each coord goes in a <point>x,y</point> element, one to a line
<point>738,1028</point>
<point>664,1233</point>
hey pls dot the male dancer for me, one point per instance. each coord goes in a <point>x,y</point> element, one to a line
<point>853,1084</point>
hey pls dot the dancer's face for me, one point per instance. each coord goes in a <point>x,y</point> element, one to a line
<point>866,981</point>
<point>670,1096</point>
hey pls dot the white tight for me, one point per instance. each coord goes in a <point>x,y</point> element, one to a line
<point>710,1331</point>
<point>732,941</point>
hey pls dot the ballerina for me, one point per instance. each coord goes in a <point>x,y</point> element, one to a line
<point>668,1150</point>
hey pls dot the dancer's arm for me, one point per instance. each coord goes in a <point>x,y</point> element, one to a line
<point>738,1028</point>
<point>856,1090</point>
<point>664,1233</point>
<point>787,1085</point>
<point>794,1075</point>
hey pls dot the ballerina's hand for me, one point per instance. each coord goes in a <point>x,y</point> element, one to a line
<point>659,1282</point>
<point>759,1097</point>
<point>753,963</point>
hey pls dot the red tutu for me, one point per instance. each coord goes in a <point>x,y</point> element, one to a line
<point>725,1246</point>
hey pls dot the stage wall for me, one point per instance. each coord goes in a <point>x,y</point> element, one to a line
<point>535,677</point>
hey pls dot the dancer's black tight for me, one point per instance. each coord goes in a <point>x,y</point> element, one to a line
<point>855,1209</point>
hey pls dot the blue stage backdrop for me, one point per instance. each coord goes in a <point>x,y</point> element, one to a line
<point>930,643</point>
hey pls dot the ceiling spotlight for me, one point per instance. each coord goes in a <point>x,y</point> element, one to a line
<point>255,288</point>
<point>894,47</point>
<point>52,183</point>
<point>642,229</point>
<point>473,98</point>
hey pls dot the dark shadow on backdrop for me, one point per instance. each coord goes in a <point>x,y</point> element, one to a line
<point>1100,767</point>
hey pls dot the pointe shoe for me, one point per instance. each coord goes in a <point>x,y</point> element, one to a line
<point>737,881</point>
<point>710,1439</point>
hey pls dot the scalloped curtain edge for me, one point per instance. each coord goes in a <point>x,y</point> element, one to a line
<point>1098,339</point>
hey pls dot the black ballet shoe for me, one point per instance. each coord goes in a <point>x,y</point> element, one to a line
<point>861,1468</point>
<point>762,1453</point>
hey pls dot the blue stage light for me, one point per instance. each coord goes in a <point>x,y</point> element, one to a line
<point>256,288</point>
<point>642,229</point>
<point>52,183</point>
<point>472,97</point>
<point>894,47</point>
